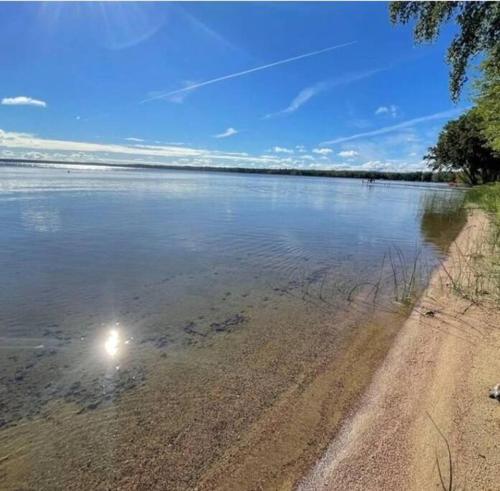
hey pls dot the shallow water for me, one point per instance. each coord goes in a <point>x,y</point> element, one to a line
<point>134,291</point>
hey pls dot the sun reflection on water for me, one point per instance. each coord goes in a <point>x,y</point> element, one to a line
<point>112,343</point>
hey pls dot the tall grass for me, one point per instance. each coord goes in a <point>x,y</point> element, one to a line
<point>477,276</point>
<point>487,197</point>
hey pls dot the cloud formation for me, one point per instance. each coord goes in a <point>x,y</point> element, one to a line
<point>381,153</point>
<point>227,133</point>
<point>348,154</point>
<point>282,150</point>
<point>322,151</point>
<point>24,144</point>
<point>301,98</point>
<point>313,90</point>
<point>391,110</point>
<point>23,101</point>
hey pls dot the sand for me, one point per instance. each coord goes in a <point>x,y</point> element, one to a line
<point>439,369</point>
<point>257,406</point>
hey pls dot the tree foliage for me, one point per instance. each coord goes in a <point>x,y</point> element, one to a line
<point>488,100</point>
<point>462,147</point>
<point>479,30</point>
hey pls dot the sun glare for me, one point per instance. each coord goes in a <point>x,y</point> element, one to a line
<point>112,342</point>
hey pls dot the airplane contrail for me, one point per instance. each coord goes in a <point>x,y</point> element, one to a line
<point>246,72</point>
<point>399,126</point>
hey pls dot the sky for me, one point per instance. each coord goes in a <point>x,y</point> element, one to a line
<point>314,86</point>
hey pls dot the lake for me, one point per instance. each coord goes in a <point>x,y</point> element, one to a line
<point>181,329</point>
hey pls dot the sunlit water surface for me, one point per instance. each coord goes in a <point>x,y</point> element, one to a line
<point>109,275</point>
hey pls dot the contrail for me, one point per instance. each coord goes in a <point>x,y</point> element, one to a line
<point>399,126</point>
<point>246,72</point>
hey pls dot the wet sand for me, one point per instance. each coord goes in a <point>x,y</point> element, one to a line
<point>441,366</point>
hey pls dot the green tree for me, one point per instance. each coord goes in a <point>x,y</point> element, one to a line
<point>479,30</point>
<point>462,147</point>
<point>488,100</point>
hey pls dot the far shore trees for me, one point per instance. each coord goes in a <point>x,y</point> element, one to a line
<point>463,147</point>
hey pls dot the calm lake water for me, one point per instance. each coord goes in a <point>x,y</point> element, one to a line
<point>150,321</point>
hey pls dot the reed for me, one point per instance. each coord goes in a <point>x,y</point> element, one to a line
<point>476,272</point>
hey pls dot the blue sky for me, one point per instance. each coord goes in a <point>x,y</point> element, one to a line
<point>324,85</point>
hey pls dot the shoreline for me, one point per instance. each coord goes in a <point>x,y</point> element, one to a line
<point>421,176</point>
<point>434,379</point>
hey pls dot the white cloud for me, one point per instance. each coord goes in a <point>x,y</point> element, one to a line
<point>309,92</point>
<point>322,151</point>
<point>21,143</point>
<point>390,166</point>
<point>391,110</point>
<point>300,99</point>
<point>23,101</point>
<point>227,133</point>
<point>389,152</point>
<point>168,143</point>
<point>132,139</point>
<point>281,150</point>
<point>346,154</point>
<point>388,129</point>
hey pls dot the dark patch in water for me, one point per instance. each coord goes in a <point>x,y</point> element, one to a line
<point>94,388</point>
<point>228,324</point>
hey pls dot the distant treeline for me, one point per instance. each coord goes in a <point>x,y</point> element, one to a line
<point>421,176</point>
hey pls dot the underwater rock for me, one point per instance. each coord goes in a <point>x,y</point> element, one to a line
<point>228,324</point>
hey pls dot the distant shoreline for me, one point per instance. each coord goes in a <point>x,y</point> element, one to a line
<point>418,176</point>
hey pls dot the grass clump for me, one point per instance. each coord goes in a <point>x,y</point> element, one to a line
<point>487,197</point>
<point>484,263</point>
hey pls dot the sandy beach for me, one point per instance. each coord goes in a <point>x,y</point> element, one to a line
<point>435,378</point>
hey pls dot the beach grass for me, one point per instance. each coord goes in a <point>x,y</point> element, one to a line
<point>487,197</point>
